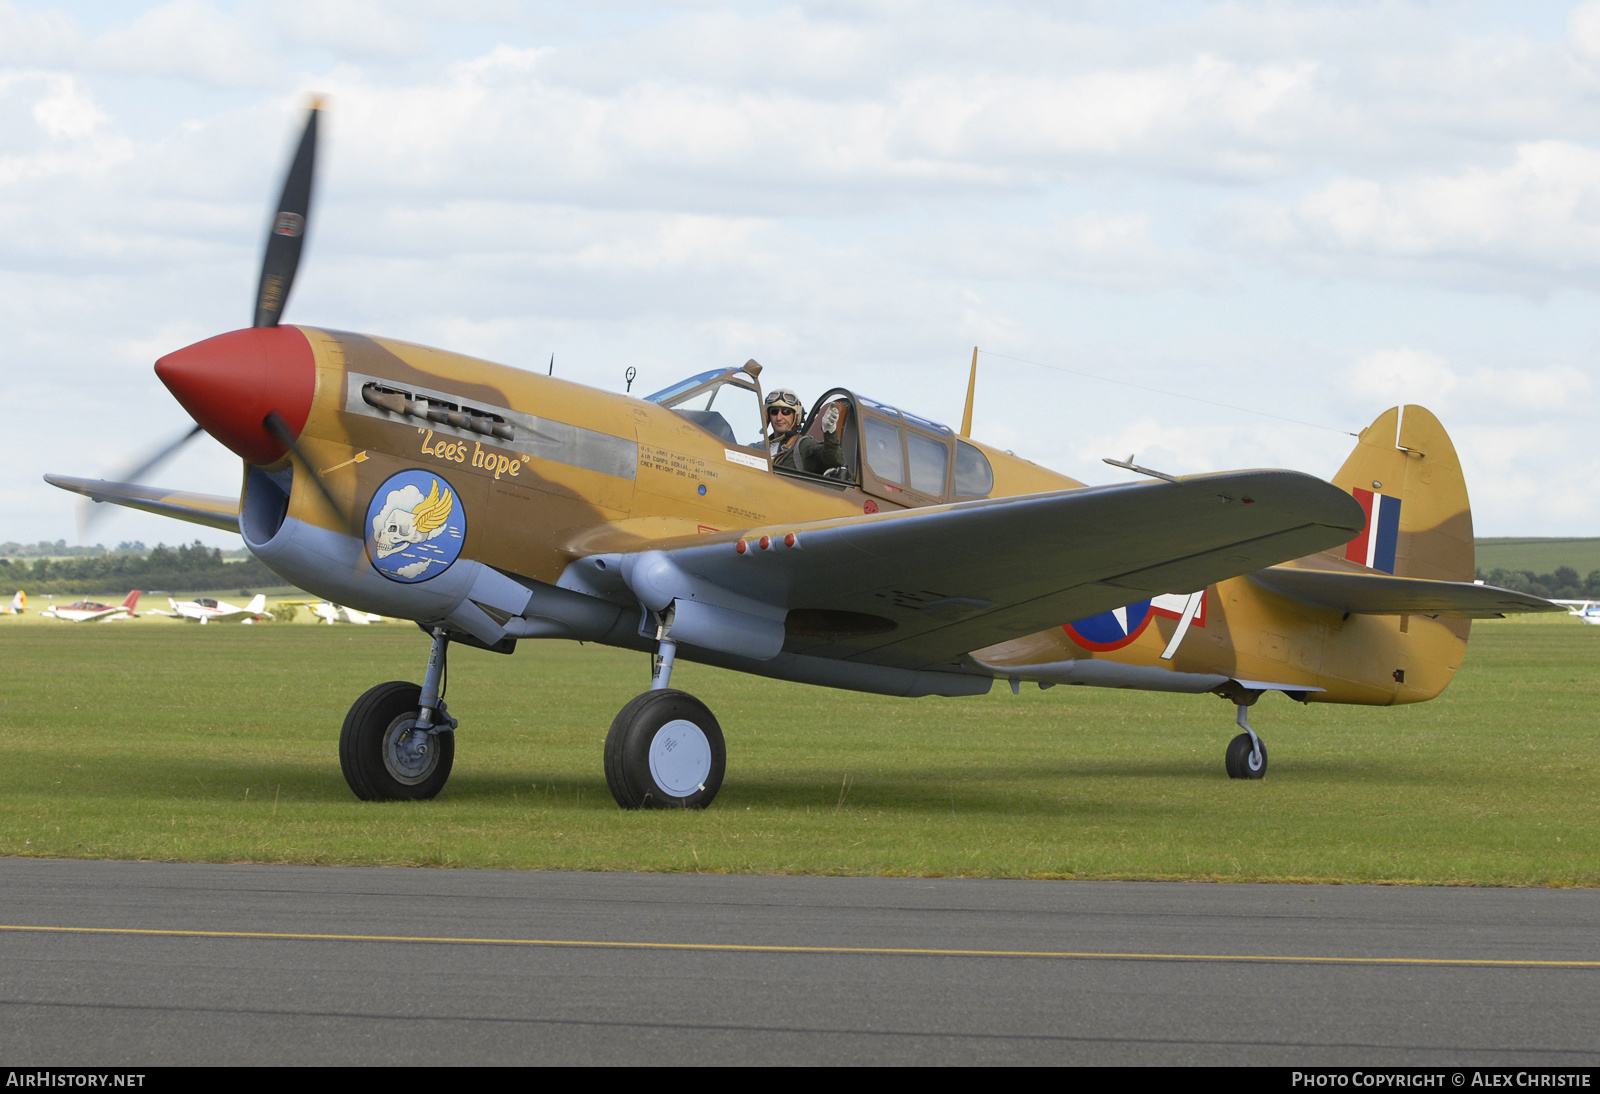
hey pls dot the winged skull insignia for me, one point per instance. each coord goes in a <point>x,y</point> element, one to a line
<point>408,518</point>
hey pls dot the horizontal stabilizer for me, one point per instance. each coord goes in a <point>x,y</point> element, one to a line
<point>1379,594</point>
<point>208,509</point>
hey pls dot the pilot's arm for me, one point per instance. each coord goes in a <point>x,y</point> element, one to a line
<point>824,455</point>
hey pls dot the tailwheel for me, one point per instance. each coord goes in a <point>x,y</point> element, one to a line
<point>1243,760</point>
<point>1247,753</point>
<point>385,751</point>
<point>665,751</point>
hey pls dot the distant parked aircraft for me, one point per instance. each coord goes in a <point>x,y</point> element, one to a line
<point>18,605</point>
<point>90,611</point>
<point>1586,610</point>
<point>203,609</point>
<point>331,613</point>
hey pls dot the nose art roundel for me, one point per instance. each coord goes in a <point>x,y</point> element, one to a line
<point>1111,630</point>
<point>415,527</point>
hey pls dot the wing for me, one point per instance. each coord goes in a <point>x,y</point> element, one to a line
<point>1380,594</point>
<point>208,509</point>
<point>922,587</point>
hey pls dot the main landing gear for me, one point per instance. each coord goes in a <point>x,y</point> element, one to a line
<point>665,748</point>
<point>398,741</point>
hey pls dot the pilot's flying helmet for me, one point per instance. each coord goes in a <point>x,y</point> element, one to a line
<point>783,397</point>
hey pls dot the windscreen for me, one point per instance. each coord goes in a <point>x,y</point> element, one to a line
<point>723,402</point>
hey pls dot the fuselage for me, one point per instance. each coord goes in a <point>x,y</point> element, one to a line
<point>541,472</point>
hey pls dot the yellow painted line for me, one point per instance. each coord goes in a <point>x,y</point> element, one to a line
<point>890,951</point>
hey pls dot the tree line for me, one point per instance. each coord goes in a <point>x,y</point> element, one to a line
<point>60,549</point>
<point>188,567</point>
<point>1563,584</point>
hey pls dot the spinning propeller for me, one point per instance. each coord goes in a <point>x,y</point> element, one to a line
<point>251,389</point>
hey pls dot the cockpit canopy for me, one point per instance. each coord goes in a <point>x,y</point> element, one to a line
<point>724,401</point>
<point>905,450</point>
<point>888,453</point>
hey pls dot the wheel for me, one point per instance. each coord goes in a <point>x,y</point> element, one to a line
<point>1240,761</point>
<point>665,751</point>
<point>378,752</point>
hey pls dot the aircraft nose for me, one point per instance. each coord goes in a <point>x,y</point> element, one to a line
<point>230,383</point>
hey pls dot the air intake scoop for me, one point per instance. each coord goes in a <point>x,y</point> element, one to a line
<point>230,383</point>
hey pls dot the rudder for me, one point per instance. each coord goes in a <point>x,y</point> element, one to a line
<point>1404,471</point>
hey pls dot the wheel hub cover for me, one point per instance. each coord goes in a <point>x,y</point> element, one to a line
<point>407,754</point>
<point>680,758</point>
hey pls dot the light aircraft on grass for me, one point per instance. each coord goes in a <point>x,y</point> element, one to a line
<point>203,609</point>
<point>1586,610</point>
<point>490,505</point>
<point>18,605</point>
<point>331,613</point>
<point>90,611</point>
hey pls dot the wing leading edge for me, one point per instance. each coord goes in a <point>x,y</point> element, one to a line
<point>211,510</point>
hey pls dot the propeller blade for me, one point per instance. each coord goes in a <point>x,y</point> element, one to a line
<point>288,231</point>
<point>282,434</point>
<point>138,471</point>
<point>88,512</point>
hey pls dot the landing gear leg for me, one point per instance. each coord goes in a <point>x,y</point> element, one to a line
<point>1247,753</point>
<point>665,749</point>
<point>398,741</point>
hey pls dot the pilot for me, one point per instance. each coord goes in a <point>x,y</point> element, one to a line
<point>790,448</point>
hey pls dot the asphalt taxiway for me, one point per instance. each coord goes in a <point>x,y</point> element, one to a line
<point>112,963</point>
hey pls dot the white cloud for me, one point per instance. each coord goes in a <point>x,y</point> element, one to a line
<point>1583,29</point>
<point>189,40</point>
<point>1103,248</point>
<point>31,37</point>
<point>1483,395</point>
<point>1532,222</point>
<point>850,194</point>
<point>359,28</point>
<point>52,127</point>
<point>1396,376</point>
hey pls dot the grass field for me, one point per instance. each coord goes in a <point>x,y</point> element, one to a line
<point>1541,555</point>
<point>157,740</point>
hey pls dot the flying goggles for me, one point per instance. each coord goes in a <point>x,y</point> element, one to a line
<point>782,399</point>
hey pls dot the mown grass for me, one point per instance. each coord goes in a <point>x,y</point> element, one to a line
<point>159,740</point>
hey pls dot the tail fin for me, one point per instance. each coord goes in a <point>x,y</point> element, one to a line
<point>132,601</point>
<point>1405,473</point>
<point>257,605</point>
<point>19,603</point>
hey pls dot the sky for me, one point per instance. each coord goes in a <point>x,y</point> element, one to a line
<point>1212,236</point>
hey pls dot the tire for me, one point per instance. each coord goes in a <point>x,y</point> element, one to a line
<point>665,751</point>
<point>378,724</point>
<point>1238,758</point>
